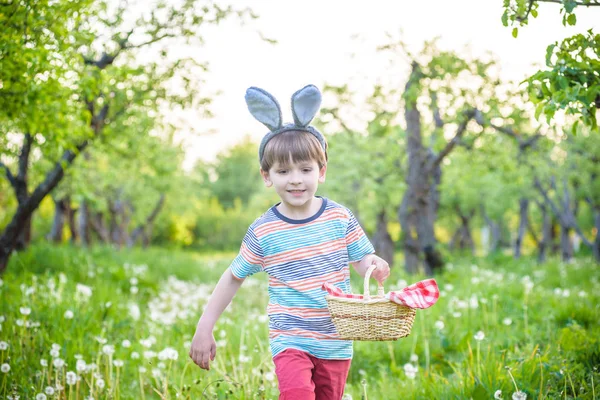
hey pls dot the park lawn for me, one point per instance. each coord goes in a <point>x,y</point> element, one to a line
<point>117,324</point>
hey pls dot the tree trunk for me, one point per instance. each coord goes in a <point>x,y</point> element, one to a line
<point>84,223</point>
<point>24,211</point>
<point>382,241</point>
<point>411,246</point>
<point>56,232</point>
<point>97,224</point>
<point>145,228</point>
<point>596,247</point>
<point>546,241</point>
<point>566,246</point>
<point>70,211</point>
<point>523,208</point>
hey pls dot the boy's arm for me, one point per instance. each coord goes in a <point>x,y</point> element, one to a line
<point>204,347</point>
<point>381,273</point>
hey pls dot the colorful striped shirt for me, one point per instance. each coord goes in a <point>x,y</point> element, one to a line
<point>299,256</point>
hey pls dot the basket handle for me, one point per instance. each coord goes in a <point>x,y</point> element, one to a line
<point>367,292</point>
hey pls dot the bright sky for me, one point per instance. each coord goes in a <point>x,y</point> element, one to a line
<point>315,43</point>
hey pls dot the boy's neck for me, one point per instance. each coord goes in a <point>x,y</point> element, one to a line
<point>307,210</point>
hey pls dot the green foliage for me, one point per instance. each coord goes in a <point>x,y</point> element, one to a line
<point>573,82</point>
<point>144,305</point>
<point>236,173</point>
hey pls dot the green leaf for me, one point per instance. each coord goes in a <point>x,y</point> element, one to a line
<point>505,18</point>
<point>574,128</point>
<point>534,13</point>
<point>515,32</point>
<point>572,19</point>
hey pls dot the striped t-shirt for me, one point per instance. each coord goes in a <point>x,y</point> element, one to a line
<point>299,256</point>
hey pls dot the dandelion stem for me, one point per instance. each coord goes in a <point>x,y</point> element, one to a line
<point>541,377</point>
<point>142,387</point>
<point>572,386</point>
<point>479,360</point>
<point>593,391</point>
<point>513,379</point>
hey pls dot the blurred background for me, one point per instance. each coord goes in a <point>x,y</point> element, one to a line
<point>461,133</point>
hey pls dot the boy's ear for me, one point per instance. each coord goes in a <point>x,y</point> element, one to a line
<point>266,178</point>
<point>322,173</point>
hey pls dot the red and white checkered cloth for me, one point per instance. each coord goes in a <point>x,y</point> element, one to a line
<point>422,294</point>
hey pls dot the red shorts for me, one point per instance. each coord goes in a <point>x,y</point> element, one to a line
<point>304,377</point>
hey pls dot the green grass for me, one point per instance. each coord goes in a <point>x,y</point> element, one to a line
<point>543,343</point>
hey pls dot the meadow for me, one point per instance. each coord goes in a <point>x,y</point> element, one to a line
<point>105,324</point>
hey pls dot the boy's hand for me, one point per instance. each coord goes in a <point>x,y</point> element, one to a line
<point>204,347</point>
<point>382,272</point>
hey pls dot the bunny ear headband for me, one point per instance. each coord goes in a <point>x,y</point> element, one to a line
<point>305,104</point>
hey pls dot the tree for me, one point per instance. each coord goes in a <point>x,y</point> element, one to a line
<point>84,73</point>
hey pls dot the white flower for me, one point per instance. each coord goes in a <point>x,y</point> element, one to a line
<point>134,290</point>
<point>142,370</point>
<point>475,280</point>
<point>54,353</point>
<point>168,354</point>
<point>518,395</point>
<point>25,310</point>
<point>479,336</point>
<point>80,366</point>
<point>58,363</point>
<point>49,390</point>
<point>118,363</point>
<point>410,371</point>
<point>347,396</point>
<point>263,318</point>
<point>68,314</point>
<point>449,287</point>
<point>108,349</point>
<point>244,358</point>
<point>414,358</point>
<point>498,394</point>
<point>2,319</point>
<point>3,346</point>
<point>565,293</point>
<point>222,333</point>
<point>40,396</point>
<point>135,355</point>
<point>457,314</point>
<point>582,293</point>
<point>126,343</point>
<point>101,340</point>
<point>439,325</point>
<point>507,321</point>
<point>5,368</point>
<point>44,362</point>
<point>149,354</point>
<point>473,302</point>
<point>20,322</point>
<point>83,291</point>
<point>71,378</point>
<point>271,376</point>
<point>156,373</point>
<point>133,281</point>
<point>100,383</point>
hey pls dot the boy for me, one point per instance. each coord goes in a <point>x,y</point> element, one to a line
<point>301,242</point>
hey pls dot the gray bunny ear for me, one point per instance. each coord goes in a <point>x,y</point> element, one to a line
<point>264,107</point>
<point>305,104</point>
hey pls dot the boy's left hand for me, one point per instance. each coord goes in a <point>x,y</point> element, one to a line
<point>382,272</point>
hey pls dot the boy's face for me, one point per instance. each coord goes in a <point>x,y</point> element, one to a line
<point>295,183</point>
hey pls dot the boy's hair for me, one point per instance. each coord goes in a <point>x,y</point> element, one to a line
<point>295,144</point>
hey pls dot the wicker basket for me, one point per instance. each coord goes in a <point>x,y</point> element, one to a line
<point>372,318</point>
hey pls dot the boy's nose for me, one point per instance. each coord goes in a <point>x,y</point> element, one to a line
<point>295,178</point>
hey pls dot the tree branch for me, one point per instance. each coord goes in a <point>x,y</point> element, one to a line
<point>9,174</point>
<point>569,222</point>
<point>450,145</point>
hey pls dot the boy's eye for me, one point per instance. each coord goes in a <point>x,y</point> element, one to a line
<point>282,171</point>
<point>307,169</point>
